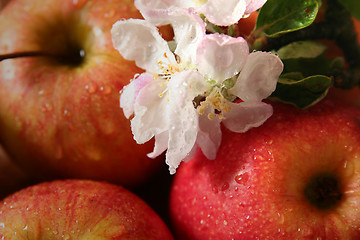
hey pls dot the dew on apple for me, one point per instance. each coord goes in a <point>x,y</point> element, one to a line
<point>91,88</point>
<point>225,186</point>
<point>242,178</point>
<point>105,90</point>
<point>110,14</point>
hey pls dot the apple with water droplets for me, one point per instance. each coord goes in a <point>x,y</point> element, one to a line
<point>59,94</point>
<point>295,177</point>
<point>78,209</point>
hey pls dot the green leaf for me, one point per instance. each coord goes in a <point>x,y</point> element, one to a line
<point>302,93</point>
<point>302,49</point>
<point>281,16</point>
<point>352,6</point>
<point>307,58</point>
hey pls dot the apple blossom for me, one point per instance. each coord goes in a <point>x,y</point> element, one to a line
<point>186,92</point>
<point>216,11</point>
<point>166,90</point>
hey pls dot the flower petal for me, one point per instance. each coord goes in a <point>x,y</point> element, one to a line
<point>161,144</point>
<point>131,91</point>
<point>246,115</point>
<point>258,78</point>
<point>209,136</point>
<point>183,117</point>
<point>253,5</point>
<point>223,14</point>
<point>189,30</point>
<point>220,56</point>
<point>148,7</point>
<point>140,41</point>
<point>150,113</point>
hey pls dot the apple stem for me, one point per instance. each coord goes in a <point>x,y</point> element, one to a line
<point>29,54</point>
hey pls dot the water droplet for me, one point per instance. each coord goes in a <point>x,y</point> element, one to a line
<point>282,218</point>
<point>110,14</point>
<point>225,222</point>
<point>41,92</point>
<point>349,168</point>
<point>105,90</point>
<point>215,189</point>
<point>66,236</point>
<point>225,186</point>
<point>349,148</point>
<point>66,113</point>
<point>242,178</point>
<point>47,107</point>
<point>25,228</point>
<point>91,88</point>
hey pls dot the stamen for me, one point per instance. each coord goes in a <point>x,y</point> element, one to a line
<point>218,102</point>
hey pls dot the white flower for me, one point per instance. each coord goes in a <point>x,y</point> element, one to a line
<point>162,97</point>
<point>186,92</point>
<point>252,78</point>
<point>219,12</point>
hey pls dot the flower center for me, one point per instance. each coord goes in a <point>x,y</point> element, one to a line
<point>167,70</point>
<point>216,100</point>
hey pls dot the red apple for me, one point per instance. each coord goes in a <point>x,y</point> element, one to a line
<point>295,177</point>
<point>11,177</point>
<point>3,3</point>
<point>78,209</point>
<point>59,112</point>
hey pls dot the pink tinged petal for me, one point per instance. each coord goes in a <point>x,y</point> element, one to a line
<point>147,7</point>
<point>253,5</point>
<point>131,91</point>
<point>140,41</point>
<point>246,115</point>
<point>161,144</point>
<point>223,14</point>
<point>220,56</point>
<point>258,78</point>
<point>209,136</point>
<point>182,117</point>
<point>150,113</point>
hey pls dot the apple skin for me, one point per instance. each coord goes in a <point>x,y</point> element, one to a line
<point>11,177</point>
<point>255,187</point>
<point>78,209</point>
<point>61,119</point>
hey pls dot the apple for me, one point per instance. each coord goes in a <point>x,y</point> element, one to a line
<point>59,111</point>
<point>78,209</point>
<point>11,177</point>
<point>295,177</point>
<point>3,3</point>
